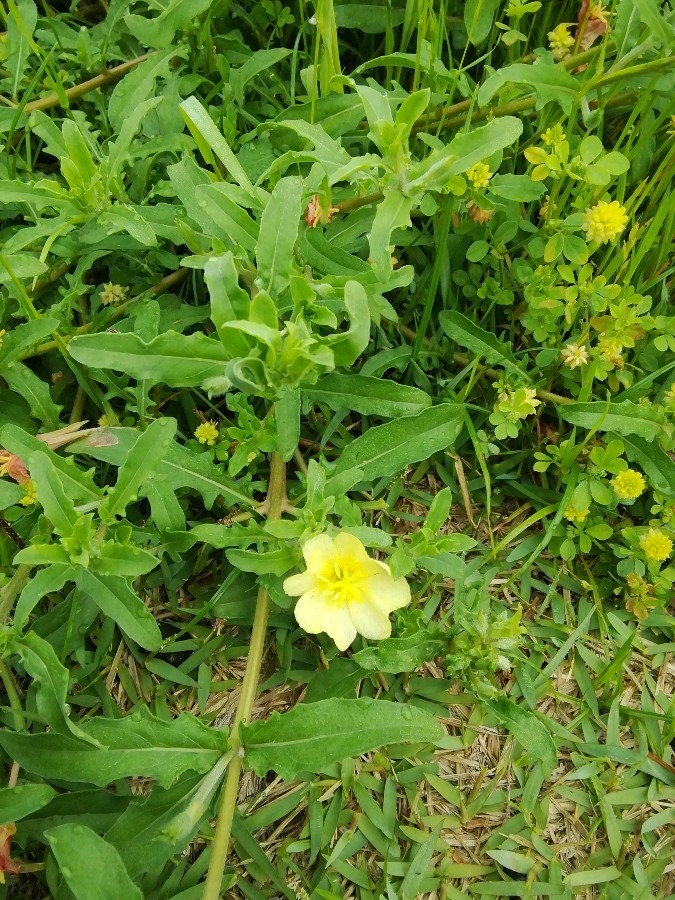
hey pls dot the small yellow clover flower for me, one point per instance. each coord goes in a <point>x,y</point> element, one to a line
<point>628,485</point>
<point>656,545</point>
<point>605,221</point>
<point>29,494</point>
<point>479,175</point>
<point>574,356</point>
<point>207,433</point>
<point>344,592</point>
<point>576,515</point>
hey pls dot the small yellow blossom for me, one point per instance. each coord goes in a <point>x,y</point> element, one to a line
<point>476,214</point>
<point>576,515</point>
<point>113,293</point>
<point>479,175</point>
<point>29,494</point>
<point>610,349</point>
<point>628,485</point>
<point>669,398</point>
<point>104,422</point>
<point>2,334</point>
<point>574,356</point>
<point>656,545</point>
<point>344,592</point>
<point>207,433</point>
<point>605,221</point>
<point>553,135</point>
<point>560,40</point>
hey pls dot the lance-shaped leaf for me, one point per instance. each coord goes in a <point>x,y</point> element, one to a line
<point>393,212</point>
<point>349,345</point>
<point>24,799</point>
<point>627,418</point>
<point>58,507</point>
<point>229,302</point>
<point>311,737</point>
<point>34,391</point>
<point>174,359</point>
<point>141,461</point>
<point>46,581</point>
<point>116,599</point>
<point>90,866</point>
<point>368,396</point>
<point>549,83</point>
<point>278,233</point>
<point>389,448</point>
<point>484,344</point>
<point>51,680</point>
<point>139,745</point>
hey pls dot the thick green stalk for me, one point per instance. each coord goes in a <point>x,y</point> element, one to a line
<point>276,495</point>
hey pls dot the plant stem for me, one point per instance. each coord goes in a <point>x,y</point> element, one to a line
<point>85,87</point>
<point>12,696</point>
<point>10,591</point>
<point>276,494</point>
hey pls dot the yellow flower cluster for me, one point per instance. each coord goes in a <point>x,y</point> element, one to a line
<point>553,135</point>
<point>560,40</point>
<point>344,592</point>
<point>605,221</point>
<point>576,515</point>
<point>29,494</point>
<point>2,334</point>
<point>207,433</point>
<point>479,175</point>
<point>628,485</point>
<point>656,546</point>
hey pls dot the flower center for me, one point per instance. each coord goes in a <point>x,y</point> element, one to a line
<point>342,583</point>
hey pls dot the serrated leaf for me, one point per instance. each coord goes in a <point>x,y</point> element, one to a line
<point>550,84</point>
<point>141,461</point>
<point>481,342</point>
<point>116,599</point>
<point>405,654</point>
<point>139,745</point>
<point>311,737</point>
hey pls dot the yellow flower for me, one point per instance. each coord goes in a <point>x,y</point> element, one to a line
<point>207,433</point>
<point>479,175</point>
<point>605,221</point>
<point>2,334</point>
<point>554,135</point>
<point>574,356</point>
<point>30,494</point>
<point>344,592</point>
<point>669,398</point>
<point>610,349</point>
<point>560,41</point>
<point>656,545</point>
<point>628,485</point>
<point>576,515</point>
<point>112,293</point>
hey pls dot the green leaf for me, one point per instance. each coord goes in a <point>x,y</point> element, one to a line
<point>657,465</point>
<point>395,655</point>
<point>58,507</point>
<point>141,461</point>
<point>651,15</point>
<point>519,188</point>
<point>478,18</point>
<point>35,392</point>
<point>393,212</point>
<point>24,336</point>
<point>91,867</point>
<point>551,84</point>
<point>173,359</point>
<point>47,581</point>
<point>51,679</point>
<point>10,493</point>
<point>514,862</point>
<point>138,85</point>
<point>473,146</point>
<point>117,600</point>
<point>387,449</point>
<point>368,396</point>
<point>256,63</point>
<point>139,745</point>
<point>528,729</point>
<point>484,344</point>
<point>347,346</point>
<point>627,418</point>
<point>20,801</point>
<point>159,31</point>
<point>287,416</point>
<point>278,233</point>
<point>209,139</point>
<point>311,737</point>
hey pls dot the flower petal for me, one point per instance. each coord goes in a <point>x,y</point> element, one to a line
<point>314,614</point>
<point>318,551</point>
<point>370,620</point>
<point>348,546</point>
<point>296,585</point>
<point>386,592</point>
